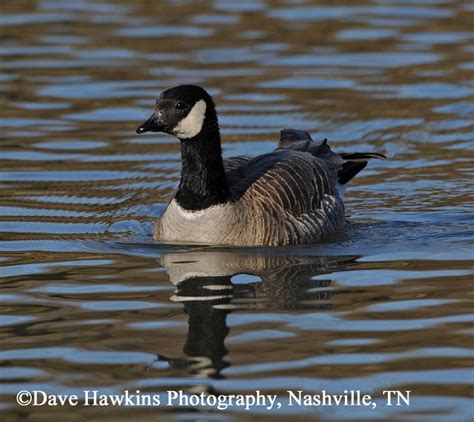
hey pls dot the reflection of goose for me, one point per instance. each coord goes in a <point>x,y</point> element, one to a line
<point>203,279</point>
<point>286,279</point>
<point>286,197</point>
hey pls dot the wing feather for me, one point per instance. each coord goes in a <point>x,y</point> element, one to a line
<point>291,192</point>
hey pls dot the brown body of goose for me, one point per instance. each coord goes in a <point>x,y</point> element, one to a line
<point>290,196</point>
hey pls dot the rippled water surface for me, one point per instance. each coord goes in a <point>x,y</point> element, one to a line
<point>89,301</point>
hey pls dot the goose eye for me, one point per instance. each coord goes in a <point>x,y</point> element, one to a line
<point>180,105</point>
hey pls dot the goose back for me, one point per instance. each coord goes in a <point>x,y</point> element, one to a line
<point>289,196</point>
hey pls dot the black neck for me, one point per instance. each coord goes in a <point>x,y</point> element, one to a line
<point>203,179</point>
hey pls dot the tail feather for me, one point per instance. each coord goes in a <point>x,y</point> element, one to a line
<point>347,164</point>
<point>355,156</point>
<point>349,170</point>
<point>354,163</point>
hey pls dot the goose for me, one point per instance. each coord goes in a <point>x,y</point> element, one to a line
<point>290,196</point>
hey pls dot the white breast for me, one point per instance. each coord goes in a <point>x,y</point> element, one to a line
<point>212,225</point>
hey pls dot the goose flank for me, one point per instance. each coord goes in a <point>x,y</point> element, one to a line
<point>290,196</point>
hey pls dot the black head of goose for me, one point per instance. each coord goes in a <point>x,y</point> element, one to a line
<point>286,197</point>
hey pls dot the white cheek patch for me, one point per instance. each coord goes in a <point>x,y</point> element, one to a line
<point>191,125</point>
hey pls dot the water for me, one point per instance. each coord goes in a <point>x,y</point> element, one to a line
<point>90,302</point>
